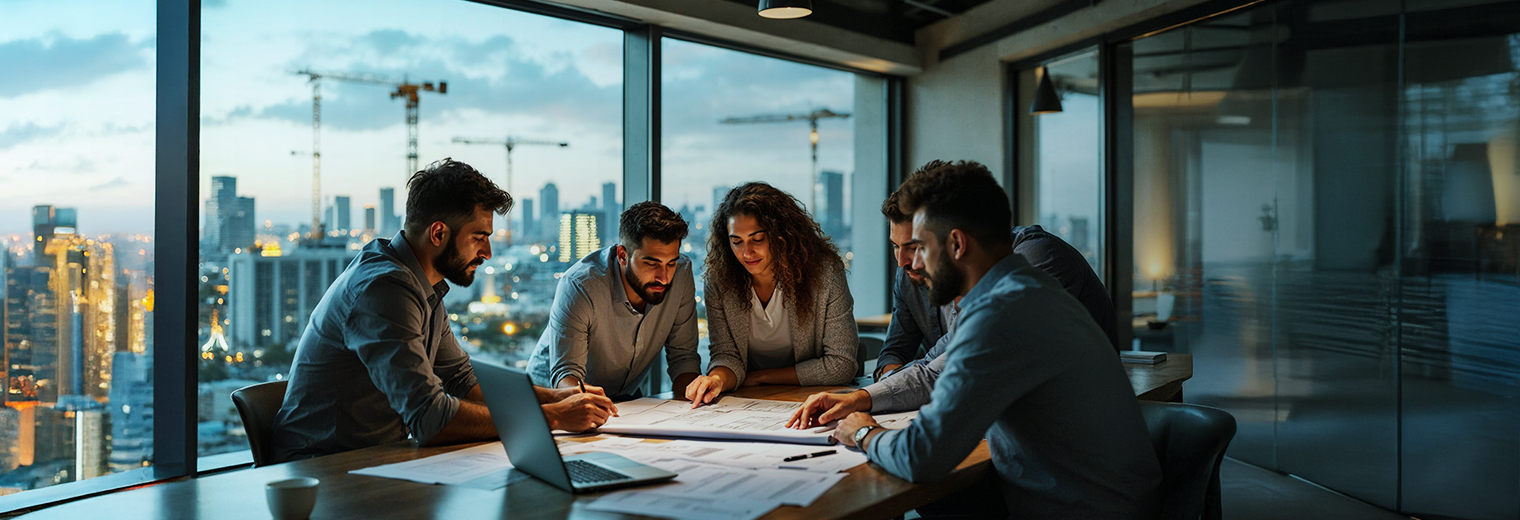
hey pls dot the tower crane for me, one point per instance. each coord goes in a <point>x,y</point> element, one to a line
<point>812,119</point>
<point>509,144</point>
<point>404,89</point>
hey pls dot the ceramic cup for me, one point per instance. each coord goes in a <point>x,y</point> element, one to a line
<point>291,499</point>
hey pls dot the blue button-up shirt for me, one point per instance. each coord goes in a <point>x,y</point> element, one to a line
<point>1030,371</point>
<point>377,363</point>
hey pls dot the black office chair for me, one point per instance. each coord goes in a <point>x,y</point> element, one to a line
<point>867,349</point>
<point>1190,441</point>
<point>257,405</point>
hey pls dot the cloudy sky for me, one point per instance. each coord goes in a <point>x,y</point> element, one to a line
<point>77,121</point>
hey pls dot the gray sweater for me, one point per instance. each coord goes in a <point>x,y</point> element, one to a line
<point>824,344</point>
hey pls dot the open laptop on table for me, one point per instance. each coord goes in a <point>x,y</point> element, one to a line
<point>525,434</point>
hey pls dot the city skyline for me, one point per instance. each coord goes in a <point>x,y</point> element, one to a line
<point>509,73</point>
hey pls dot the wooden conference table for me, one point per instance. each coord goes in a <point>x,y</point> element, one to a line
<point>867,492</point>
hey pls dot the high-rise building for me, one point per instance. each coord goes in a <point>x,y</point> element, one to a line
<point>270,298</point>
<point>369,219</point>
<point>549,215</point>
<point>390,223</point>
<point>719,192</point>
<point>831,219</point>
<point>131,411</point>
<point>47,221</point>
<point>579,235</point>
<point>328,223</point>
<point>82,291</point>
<point>529,225</point>
<point>229,218</point>
<point>610,212</point>
<point>345,215</point>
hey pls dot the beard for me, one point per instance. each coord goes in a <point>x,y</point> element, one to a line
<point>643,289</point>
<point>455,267</point>
<point>917,281</point>
<point>945,282</point>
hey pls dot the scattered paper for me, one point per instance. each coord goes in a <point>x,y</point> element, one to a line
<point>750,455</point>
<point>484,465</point>
<point>681,507</point>
<point>794,488</point>
<point>728,418</point>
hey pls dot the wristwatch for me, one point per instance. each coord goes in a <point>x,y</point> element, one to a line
<point>860,436</point>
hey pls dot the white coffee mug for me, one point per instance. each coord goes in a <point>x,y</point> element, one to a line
<point>291,499</point>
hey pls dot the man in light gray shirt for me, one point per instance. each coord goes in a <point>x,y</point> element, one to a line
<point>1027,369</point>
<point>619,307</point>
<point>378,362</point>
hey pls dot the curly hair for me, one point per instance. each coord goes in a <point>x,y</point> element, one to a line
<point>799,249</point>
<point>960,195</point>
<point>450,191</point>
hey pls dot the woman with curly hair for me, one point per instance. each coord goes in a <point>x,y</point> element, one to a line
<point>779,309</point>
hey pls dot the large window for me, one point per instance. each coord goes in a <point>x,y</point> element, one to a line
<point>76,226</point>
<point>533,102</point>
<point>730,117</point>
<point>1063,172</point>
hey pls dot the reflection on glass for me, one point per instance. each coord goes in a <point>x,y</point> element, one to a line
<point>1068,183</point>
<point>532,102</point>
<point>76,241</point>
<point>1334,219</point>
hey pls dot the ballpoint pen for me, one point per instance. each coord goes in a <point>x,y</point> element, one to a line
<point>808,456</point>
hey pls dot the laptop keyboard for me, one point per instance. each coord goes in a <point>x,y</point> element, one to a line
<point>583,472</point>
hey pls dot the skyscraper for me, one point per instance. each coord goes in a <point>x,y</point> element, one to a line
<point>529,225</point>
<point>270,298</point>
<point>831,219</point>
<point>345,215</point>
<point>579,235</point>
<point>610,212</point>
<point>82,290</point>
<point>549,217</point>
<point>390,223</point>
<point>369,219</point>
<point>47,221</point>
<point>131,411</point>
<point>229,218</point>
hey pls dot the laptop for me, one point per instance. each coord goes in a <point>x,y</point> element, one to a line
<point>525,434</point>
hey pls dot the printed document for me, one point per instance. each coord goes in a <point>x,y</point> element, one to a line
<point>485,466</point>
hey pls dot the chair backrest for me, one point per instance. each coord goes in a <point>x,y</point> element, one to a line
<point>1190,441</point>
<point>868,348</point>
<point>257,405</point>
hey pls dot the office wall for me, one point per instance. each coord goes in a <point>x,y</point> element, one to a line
<point>955,112</point>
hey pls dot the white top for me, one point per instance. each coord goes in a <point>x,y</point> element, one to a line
<point>770,333</point>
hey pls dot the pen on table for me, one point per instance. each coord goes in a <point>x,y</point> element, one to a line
<point>808,456</point>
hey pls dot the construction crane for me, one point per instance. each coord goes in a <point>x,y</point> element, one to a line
<point>509,144</point>
<point>404,89</point>
<point>812,119</point>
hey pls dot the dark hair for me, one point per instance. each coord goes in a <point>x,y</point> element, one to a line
<point>450,191</point>
<point>894,213</point>
<point>650,219</point>
<point>960,195</point>
<point>799,249</point>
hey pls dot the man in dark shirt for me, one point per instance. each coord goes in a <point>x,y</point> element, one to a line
<point>378,362</point>
<point>918,327</point>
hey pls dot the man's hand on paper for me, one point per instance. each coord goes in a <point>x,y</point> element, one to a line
<point>579,412</point>
<point>826,407</point>
<point>845,433</point>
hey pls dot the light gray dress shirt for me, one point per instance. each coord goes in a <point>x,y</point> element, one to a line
<point>376,363</point>
<point>1031,372</point>
<point>596,335</point>
<point>909,387</point>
